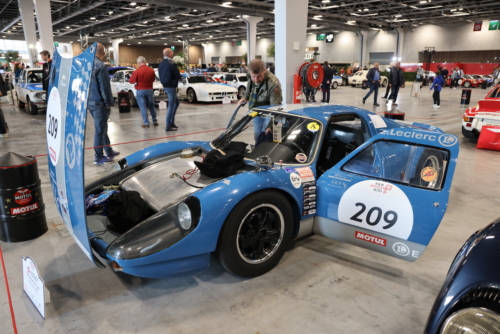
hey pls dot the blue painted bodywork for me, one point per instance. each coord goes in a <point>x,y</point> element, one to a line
<point>37,87</point>
<point>475,267</point>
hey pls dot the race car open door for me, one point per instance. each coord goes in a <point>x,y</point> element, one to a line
<point>70,79</point>
<point>390,194</point>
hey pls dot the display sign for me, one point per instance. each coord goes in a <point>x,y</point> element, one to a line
<point>320,37</point>
<point>312,49</point>
<point>34,286</point>
<point>329,38</point>
<point>478,25</point>
<point>238,43</point>
<point>172,48</point>
<point>493,25</point>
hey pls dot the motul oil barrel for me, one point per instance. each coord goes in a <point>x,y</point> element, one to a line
<point>22,211</point>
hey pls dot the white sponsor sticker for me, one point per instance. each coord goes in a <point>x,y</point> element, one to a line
<point>378,122</point>
<point>295,179</point>
<point>54,126</point>
<point>377,206</point>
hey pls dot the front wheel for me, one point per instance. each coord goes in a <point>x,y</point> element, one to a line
<point>191,96</point>
<point>241,91</point>
<point>255,234</point>
<point>353,86</point>
<point>335,84</point>
<point>32,108</point>
<point>20,103</point>
<point>133,100</point>
<point>384,83</point>
<point>467,84</point>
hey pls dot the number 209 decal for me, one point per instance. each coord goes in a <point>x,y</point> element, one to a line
<point>377,206</point>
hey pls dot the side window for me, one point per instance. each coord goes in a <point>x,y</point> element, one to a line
<point>117,76</point>
<point>408,164</point>
<point>495,93</point>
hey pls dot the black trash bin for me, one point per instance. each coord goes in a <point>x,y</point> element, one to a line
<point>123,102</point>
<point>395,115</point>
<point>22,211</point>
<point>484,84</point>
<point>364,85</point>
<point>466,93</point>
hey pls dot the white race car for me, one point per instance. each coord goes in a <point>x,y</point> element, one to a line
<point>29,90</point>
<point>236,80</point>
<point>360,76</point>
<point>203,88</point>
<point>119,82</point>
<point>336,81</point>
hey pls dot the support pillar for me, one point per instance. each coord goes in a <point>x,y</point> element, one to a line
<point>28,19</point>
<point>44,19</point>
<point>290,42</point>
<point>251,22</point>
<point>363,54</point>
<point>185,50</point>
<point>116,50</point>
<point>400,35</point>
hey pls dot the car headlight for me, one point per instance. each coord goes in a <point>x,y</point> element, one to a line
<point>156,92</point>
<point>472,321</point>
<point>158,232</point>
<point>40,95</point>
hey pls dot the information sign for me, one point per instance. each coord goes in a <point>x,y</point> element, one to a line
<point>34,286</point>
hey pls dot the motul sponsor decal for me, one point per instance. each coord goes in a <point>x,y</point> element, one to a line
<point>371,238</point>
<point>24,209</point>
<point>23,196</point>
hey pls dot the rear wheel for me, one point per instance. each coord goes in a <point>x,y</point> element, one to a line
<point>255,234</point>
<point>335,84</point>
<point>430,158</point>
<point>353,86</point>
<point>241,91</point>
<point>32,108</point>
<point>384,83</point>
<point>468,134</point>
<point>133,100</point>
<point>467,84</point>
<point>191,96</point>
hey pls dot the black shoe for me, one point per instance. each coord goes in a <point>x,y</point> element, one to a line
<point>384,97</point>
<point>171,129</point>
<point>314,100</point>
<point>174,126</point>
<point>376,105</point>
<point>364,100</point>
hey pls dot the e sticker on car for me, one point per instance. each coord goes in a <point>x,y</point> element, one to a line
<point>301,157</point>
<point>429,174</point>
<point>378,206</point>
<point>313,126</point>
<point>295,179</point>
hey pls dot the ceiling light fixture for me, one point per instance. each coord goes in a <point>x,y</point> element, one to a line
<point>110,13</point>
<point>351,22</point>
<point>313,25</point>
<point>366,9</point>
<point>128,44</point>
<point>133,4</point>
<point>185,25</point>
<point>68,27</point>
<point>92,18</point>
<point>318,16</point>
<point>399,15</point>
<point>325,1</point>
<point>227,3</point>
<point>71,42</point>
<point>145,22</point>
<point>20,24</point>
<point>139,43</point>
<point>210,21</point>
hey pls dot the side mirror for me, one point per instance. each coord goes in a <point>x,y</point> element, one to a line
<point>235,81</point>
<point>264,162</point>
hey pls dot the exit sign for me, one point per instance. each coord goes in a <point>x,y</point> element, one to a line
<point>320,37</point>
<point>238,43</point>
<point>172,48</point>
<point>56,44</point>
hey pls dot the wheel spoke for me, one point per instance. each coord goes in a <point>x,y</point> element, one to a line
<point>248,241</point>
<point>273,236</point>
<point>258,249</point>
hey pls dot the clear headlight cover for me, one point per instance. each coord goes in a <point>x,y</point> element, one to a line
<point>472,321</point>
<point>184,216</point>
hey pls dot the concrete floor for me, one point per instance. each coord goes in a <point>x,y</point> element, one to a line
<point>320,286</point>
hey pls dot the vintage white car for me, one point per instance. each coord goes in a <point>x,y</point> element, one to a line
<point>360,76</point>
<point>119,82</point>
<point>203,88</point>
<point>29,90</point>
<point>236,80</point>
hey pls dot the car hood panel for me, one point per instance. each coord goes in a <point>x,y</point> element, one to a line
<point>215,88</point>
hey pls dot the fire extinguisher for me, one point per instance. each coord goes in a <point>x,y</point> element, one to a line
<point>297,89</point>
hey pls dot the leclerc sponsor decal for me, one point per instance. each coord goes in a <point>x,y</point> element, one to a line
<point>445,139</point>
<point>370,238</point>
<point>24,209</point>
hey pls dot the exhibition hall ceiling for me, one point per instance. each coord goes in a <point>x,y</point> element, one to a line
<point>202,21</point>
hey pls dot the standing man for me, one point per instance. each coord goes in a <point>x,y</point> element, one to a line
<point>3,126</point>
<point>46,69</point>
<point>143,79</point>
<point>327,81</point>
<point>373,80</point>
<point>99,105</point>
<point>444,73</point>
<point>169,77</point>
<point>211,68</point>
<point>264,89</point>
<point>496,76</point>
<point>396,80</point>
<point>388,89</point>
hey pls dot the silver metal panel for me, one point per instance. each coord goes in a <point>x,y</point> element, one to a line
<point>306,227</point>
<point>378,242</point>
<point>157,185</point>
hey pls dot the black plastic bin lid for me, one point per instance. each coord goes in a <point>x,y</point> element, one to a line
<point>12,159</point>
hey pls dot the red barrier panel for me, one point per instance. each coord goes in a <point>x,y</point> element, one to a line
<point>468,68</point>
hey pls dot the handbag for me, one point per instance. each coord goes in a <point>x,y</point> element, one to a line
<point>489,139</point>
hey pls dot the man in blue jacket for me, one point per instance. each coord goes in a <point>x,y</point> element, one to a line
<point>373,80</point>
<point>169,77</point>
<point>99,105</point>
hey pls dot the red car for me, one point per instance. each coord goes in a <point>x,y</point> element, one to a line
<point>468,81</point>
<point>487,112</point>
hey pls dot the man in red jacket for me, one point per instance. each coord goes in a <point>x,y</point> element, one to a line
<point>143,79</point>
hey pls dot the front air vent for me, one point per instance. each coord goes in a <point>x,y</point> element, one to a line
<point>484,297</point>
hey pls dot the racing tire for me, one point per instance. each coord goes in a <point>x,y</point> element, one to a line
<point>384,83</point>
<point>335,85</point>
<point>133,100</point>
<point>241,91</point>
<point>467,84</point>
<point>429,158</point>
<point>353,86</point>
<point>468,134</point>
<point>20,104</point>
<point>256,234</point>
<point>32,108</point>
<point>191,96</point>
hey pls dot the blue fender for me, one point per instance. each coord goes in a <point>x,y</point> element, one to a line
<point>162,148</point>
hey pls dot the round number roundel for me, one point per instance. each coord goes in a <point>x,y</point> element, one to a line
<point>378,206</point>
<point>54,126</point>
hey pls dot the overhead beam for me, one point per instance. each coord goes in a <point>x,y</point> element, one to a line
<point>80,11</point>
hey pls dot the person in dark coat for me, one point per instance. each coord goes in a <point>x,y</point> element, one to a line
<point>396,80</point>
<point>46,69</point>
<point>373,81</point>
<point>437,86</point>
<point>444,73</point>
<point>211,68</point>
<point>169,77</point>
<point>3,126</point>
<point>327,81</point>
<point>388,89</point>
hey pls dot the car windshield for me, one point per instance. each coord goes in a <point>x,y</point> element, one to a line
<point>197,79</point>
<point>288,138</point>
<point>34,77</point>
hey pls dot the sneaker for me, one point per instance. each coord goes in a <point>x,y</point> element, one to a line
<point>4,135</point>
<point>395,104</point>
<point>155,124</point>
<point>384,97</point>
<point>171,129</point>
<point>103,160</point>
<point>376,105</point>
<point>145,125</point>
<point>437,107</point>
<point>434,105</point>
<point>113,154</point>
<point>364,100</point>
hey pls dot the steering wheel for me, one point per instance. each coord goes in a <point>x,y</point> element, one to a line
<point>292,145</point>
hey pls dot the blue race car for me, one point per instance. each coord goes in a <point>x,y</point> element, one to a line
<point>337,171</point>
<point>469,301</point>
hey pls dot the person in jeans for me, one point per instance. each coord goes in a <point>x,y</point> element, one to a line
<point>169,77</point>
<point>396,80</point>
<point>3,126</point>
<point>373,80</point>
<point>99,106</point>
<point>143,79</point>
<point>437,85</point>
<point>388,89</point>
